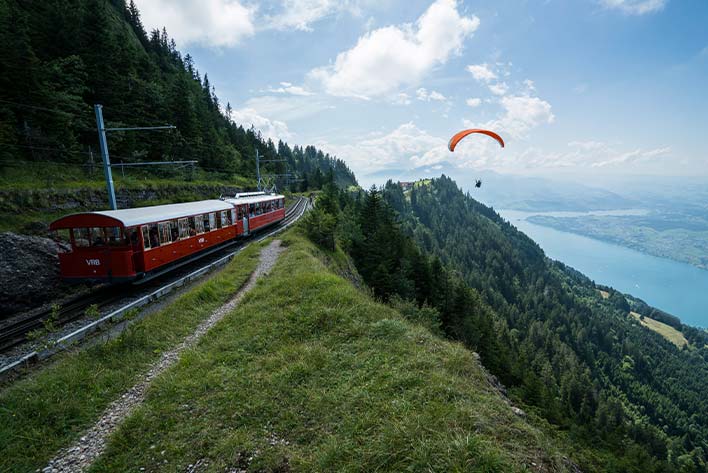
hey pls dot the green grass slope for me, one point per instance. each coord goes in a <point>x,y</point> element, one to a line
<point>50,408</point>
<point>311,374</point>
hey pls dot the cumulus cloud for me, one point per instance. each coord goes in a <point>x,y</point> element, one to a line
<point>521,113</point>
<point>482,72</point>
<point>386,58</point>
<point>635,7</point>
<point>404,148</point>
<point>473,102</point>
<point>218,23</point>
<point>423,94</point>
<point>273,129</point>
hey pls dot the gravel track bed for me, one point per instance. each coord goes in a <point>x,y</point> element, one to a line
<point>82,453</point>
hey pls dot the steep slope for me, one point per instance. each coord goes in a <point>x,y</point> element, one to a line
<point>311,374</point>
<point>579,358</point>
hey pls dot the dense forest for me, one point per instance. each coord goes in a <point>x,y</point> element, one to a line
<point>628,398</point>
<point>59,58</point>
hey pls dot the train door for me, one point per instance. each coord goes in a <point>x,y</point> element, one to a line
<point>244,212</point>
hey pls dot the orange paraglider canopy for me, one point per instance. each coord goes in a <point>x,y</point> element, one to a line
<point>458,136</point>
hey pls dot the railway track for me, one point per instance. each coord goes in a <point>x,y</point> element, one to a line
<point>17,333</point>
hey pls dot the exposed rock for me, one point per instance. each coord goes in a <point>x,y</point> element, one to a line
<point>29,272</point>
<point>518,411</point>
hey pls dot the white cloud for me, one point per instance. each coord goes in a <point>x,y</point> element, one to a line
<point>423,94</point>
<point>521,114</point>
<point>473,102</point>
<point>388,57</point>
<point>499,89</point>
<point>404,148</point>
<point>481,72</point>
<point>401,98</point>
<point>218,23</point>
<point>288,88</point>
<point>273,129</point>
<point>301,14</point>
<point>635,7</point>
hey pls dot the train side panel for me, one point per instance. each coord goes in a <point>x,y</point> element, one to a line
<point>106,264</point>
<point>154,258</point>
<point>263,220</point>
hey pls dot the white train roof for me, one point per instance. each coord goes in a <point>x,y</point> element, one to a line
<point>143,215</point>
<point>252,199</point>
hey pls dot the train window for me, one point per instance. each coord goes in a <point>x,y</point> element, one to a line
<point>165,233</point>
<point>192,227</point>
<point>81,237</point>
<point>154,236</point>
<point>183,224</point>
<point>218,219</point>
<point>239,213</point>
<point>199,224</point>
<point>212,222</point>
<point>174,230</point>
<point>251,209</point>
<point>98,237</point>
<point>113,236</point>
<point>224,218</point>
<point>146,237</point>
<point>233,216</point>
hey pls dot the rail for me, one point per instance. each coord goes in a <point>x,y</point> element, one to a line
<point>292,215</point>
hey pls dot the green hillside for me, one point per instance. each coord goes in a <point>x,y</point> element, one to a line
<point>629,399</point>
<point>62,57</point>
<point>309,373</point>
<point>341,382</point>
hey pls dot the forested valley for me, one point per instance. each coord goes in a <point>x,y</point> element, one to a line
<point>627,399</point>
<point>59,58</point>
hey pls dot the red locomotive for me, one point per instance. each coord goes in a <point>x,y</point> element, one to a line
<point>129,244</point>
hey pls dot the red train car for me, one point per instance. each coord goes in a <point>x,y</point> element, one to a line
<point>128,244</point>
<point>256,210</point>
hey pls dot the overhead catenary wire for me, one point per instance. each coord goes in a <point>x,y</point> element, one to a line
<point>36,107</point>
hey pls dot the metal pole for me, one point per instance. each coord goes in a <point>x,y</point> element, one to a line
<point>104,153</point>
<point>258,170</point>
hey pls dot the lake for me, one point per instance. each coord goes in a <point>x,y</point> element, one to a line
<point>677,288</point>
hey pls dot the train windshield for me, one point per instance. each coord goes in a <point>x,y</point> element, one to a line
<point>86,237</point>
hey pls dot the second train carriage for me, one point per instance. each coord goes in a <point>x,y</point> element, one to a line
<point>127,244</point>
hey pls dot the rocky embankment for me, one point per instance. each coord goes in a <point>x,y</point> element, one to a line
<point>29,272</point>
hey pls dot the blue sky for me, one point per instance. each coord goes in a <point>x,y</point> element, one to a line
<point>576,87</point>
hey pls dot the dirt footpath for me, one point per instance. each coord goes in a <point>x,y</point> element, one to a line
<point>82,453</point>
